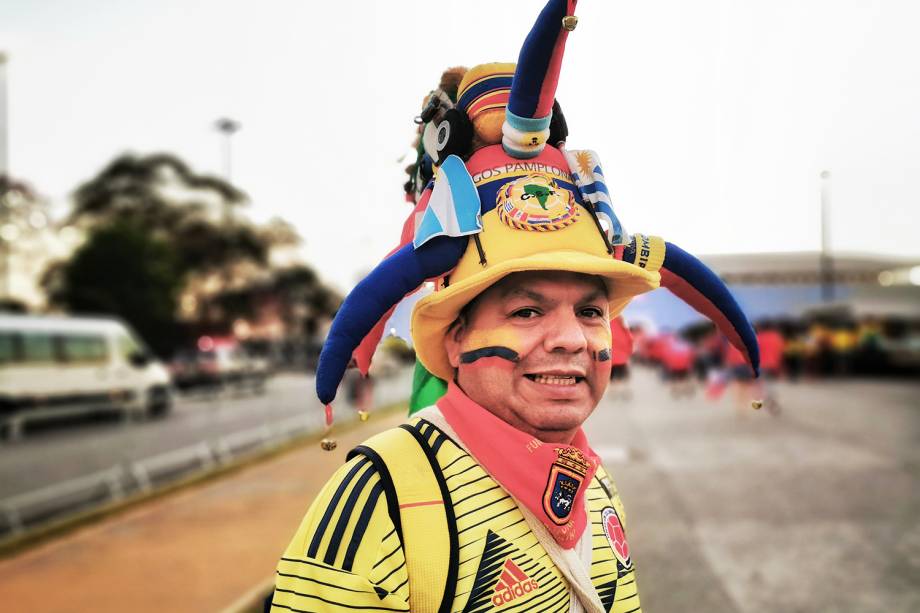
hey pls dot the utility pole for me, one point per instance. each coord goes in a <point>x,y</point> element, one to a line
<point>4,120</point>
<point>227,127</point>
<point>826,263</point>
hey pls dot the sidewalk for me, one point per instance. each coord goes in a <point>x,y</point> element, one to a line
<point>200,549</point>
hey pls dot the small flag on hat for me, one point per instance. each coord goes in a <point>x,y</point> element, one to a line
<point>453,208</point>
<point>589,177</point>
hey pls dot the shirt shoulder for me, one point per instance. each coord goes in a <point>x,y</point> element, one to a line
<point>347,552</point>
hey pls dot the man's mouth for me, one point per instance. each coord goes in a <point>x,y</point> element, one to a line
<point>555,379</point>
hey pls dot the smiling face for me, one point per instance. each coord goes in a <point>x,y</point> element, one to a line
<point>534,349</point>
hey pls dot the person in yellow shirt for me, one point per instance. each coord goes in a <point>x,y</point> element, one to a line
<point>490,497</point>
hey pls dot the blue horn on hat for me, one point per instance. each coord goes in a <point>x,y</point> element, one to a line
<point>533,90</point>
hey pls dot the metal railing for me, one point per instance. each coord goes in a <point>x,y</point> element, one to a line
<point>25,511</point>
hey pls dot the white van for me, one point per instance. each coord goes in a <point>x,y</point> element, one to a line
<point>64,365</point>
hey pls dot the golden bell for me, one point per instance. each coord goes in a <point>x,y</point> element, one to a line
<point>363,415</point>
<point>328,444</point>
<point>569,22</point>
<point>756,404</point>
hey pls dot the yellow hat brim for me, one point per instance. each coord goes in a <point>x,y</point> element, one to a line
<point>434,314</point>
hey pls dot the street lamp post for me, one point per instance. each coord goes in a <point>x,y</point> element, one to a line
<point>227,127</point>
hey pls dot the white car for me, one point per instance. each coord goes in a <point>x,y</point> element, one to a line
<point>62,365</point>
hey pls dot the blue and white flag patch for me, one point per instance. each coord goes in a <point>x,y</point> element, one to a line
<point>589,177</point>
<point>453,207</point>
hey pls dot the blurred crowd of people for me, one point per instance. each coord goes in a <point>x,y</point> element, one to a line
<point>793,349</point>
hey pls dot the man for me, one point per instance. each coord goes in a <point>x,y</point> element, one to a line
<point>513,406</point>
<point>491,498</point>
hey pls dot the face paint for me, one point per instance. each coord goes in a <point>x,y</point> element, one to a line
<point>496,351</point>
<point>599,345</point>
<point>496,343</point>
<point>601,356</point>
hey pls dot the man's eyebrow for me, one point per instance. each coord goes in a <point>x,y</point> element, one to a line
<point>596,294</point>
<point>521,292</point>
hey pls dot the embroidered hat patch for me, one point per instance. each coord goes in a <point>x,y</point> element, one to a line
<point>536,202</point>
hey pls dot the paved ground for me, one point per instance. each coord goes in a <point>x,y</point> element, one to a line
<point>816,510</point>
<point>196,551</point>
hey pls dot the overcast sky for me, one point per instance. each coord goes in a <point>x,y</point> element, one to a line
<point>713,119</point>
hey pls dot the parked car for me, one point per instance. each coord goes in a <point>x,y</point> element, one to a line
<point>216,364</point>
<point>64,365</point>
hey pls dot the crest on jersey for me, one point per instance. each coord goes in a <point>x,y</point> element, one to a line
<point>566,476</point>
<point>537,203</point>
<point>616,536</point>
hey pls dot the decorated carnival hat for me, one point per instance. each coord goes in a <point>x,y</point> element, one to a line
<point>510,202</point>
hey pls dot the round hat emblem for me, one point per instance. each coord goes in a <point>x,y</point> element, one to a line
<point>537,203</point>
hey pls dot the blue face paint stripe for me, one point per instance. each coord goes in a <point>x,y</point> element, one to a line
<point>602,356</point>
<point>497,351</point>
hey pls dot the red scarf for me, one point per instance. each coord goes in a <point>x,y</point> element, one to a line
<point>550,479</point>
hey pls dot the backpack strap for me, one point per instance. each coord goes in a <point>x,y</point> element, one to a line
<point>419,505</point>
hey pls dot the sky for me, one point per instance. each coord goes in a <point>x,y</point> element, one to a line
<point>713,119</point>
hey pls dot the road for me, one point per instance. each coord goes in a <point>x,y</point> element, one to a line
<point>61,453</point>
<point>728,510</point>
<point>814,510</point>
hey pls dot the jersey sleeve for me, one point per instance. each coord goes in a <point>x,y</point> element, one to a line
<point>347,554</point>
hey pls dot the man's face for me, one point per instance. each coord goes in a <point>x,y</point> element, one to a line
<point>534,349</point>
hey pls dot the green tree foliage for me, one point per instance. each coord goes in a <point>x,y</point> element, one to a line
<point>123,270</point>
<point>192,213</point>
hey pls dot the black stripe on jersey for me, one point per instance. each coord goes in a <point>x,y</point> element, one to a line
<point>459,487</point>
<point>330,510</point>
<point>497,529</point>
<point>345,516</point>
<point>309,563</point>
<point>426,430</point>
<point>479,508</point>
<point>437,444</point>
<point>389,574</point>
<point>386,557</point>
<point>311,579</point>
<point>398,587</point>
<point>488,519</point>
<point>455,460</point>
<point>462,500</point>
<point>457,474</point>
<point>452,566</point>
<point>387,482</point>
<point>363,520</point>
<point>339,604</point>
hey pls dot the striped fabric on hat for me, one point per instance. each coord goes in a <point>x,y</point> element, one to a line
<point>485,87</point>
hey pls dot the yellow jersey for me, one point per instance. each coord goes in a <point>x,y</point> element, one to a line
<point>348,553</point>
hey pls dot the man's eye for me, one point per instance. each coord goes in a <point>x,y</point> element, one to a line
<point>526,313</point>
<point>592,312</point>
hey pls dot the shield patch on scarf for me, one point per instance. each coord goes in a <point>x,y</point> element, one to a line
<point>566,475</point>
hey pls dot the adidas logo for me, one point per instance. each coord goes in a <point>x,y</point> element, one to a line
<point>513,583</point>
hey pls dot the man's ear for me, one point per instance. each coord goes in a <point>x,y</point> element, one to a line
<point>453,340</point>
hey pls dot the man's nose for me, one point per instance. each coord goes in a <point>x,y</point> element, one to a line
<point>565,333</point>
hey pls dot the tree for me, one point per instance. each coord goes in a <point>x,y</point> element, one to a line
<point>125,271</point>
<point>193,213</point>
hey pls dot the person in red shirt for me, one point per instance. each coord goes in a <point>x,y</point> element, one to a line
<point>772,345</point>
<point>677,360</point>
<point>621,348</point>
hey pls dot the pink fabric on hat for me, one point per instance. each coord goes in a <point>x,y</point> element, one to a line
<point>519,462</point>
